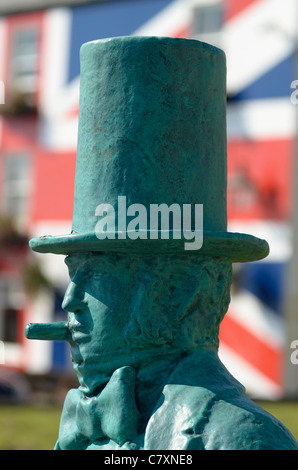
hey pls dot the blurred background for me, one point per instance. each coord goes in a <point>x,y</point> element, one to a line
<point>39,98</point>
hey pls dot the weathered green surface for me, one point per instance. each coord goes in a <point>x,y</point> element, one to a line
<point>48,331</point>
<point>144,315</point>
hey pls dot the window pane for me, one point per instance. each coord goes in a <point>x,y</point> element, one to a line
<point>24,60</point>
<point>10,304</point>
<point>16,185</point>
<point>25,42</point>
<point>10,321</point>
<point>15,167</point>
<point>207,19</point>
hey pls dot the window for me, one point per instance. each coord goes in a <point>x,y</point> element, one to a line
<point>16,186</point>
<point>24,60</point>
<point>10,317</point>
<point>10,309</point>
<point>207,19</point>
<point>24,39</point>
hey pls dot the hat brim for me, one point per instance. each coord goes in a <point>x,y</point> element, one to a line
<point>237,247</point>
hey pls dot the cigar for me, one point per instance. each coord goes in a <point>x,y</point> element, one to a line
<point>48,331</point>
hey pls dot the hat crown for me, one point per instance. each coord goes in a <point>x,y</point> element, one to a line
<point>152,127</point>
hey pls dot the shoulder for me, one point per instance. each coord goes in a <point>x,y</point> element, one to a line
<point>240,424</point>
<point>195,418</point>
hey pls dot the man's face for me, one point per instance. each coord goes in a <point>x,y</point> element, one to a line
<point>120,313</point>
<point>129,310</point>
<point>96,302</point>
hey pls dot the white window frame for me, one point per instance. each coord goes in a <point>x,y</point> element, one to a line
<point>16,187</point>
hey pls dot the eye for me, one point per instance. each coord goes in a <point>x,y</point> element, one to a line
<point>86,273</point>
<point>97,276</point>
<point>69,264</point>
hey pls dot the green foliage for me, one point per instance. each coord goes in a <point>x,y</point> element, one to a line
<point>34,280</point>
<point>14,245</point>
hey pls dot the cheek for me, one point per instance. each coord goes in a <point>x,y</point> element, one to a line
<point>108,300</point>
<point>108,318</point>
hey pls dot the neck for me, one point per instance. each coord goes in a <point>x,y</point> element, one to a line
<point>150,382</point>
<point>94,373</point>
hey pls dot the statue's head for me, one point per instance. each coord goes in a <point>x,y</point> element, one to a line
<point>138,309</point>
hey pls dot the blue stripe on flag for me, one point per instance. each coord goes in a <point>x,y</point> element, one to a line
<point>103,20</point>
<point>273,84</point>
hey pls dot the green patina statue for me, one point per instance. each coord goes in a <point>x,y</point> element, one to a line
<point>143,312</point>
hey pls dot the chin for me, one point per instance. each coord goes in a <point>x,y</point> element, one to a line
<point>94,370</point>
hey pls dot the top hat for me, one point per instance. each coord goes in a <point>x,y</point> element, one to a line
<point>152,128</point>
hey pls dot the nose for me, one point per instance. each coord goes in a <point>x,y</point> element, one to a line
<point>73,299</point>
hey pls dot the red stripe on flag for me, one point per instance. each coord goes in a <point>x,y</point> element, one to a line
<point>266,359</point>
<point>234,7</point>
<point>73,112</point>
<point>183,32</point>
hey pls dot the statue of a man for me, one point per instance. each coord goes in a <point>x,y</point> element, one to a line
<point>144,313</point>
<point>144,346</point>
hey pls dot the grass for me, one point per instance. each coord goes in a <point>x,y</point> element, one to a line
<point>36,427</point>
<point>29,427</point>
<point>286,412</point>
